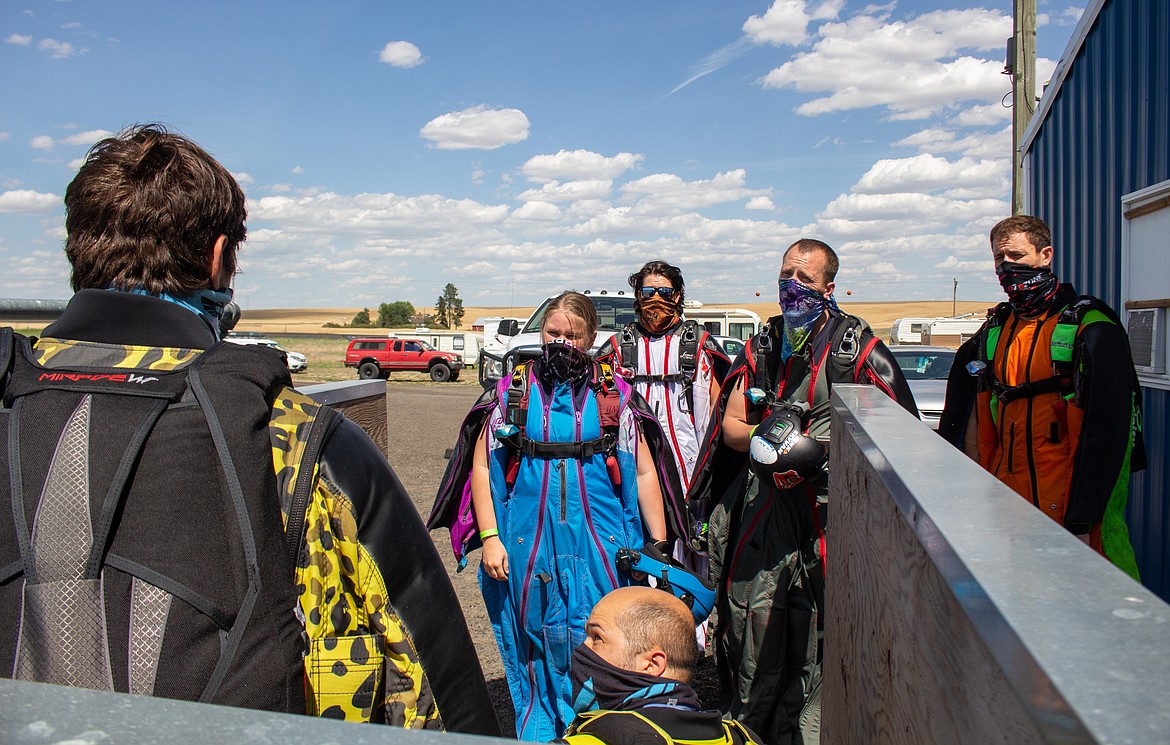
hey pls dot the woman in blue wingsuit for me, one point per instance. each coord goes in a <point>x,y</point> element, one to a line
<point>563,471</point>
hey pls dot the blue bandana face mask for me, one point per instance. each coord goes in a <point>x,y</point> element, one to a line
<point>215,307</point>
<point>801,306</point>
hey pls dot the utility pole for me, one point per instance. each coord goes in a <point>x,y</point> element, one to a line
<point>1023,70</point>
<point>954,296</point>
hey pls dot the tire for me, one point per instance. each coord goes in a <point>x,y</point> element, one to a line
<point>454,376</point>
<point>440,373</point>
<point>368,371</point>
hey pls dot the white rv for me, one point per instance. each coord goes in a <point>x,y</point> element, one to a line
<point>464,343</point>
<point>734,322</point>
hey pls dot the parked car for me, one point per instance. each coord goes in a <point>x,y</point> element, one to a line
<point>296,361</point>
<point>731,346</point>
<point>926,370</point>
<point>377,358</point>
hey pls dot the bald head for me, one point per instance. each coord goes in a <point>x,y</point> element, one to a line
<point>644,629</point>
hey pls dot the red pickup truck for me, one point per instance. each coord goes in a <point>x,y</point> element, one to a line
<point>377,358</point>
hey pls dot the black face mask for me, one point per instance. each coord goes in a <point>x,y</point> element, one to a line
<point>599,685</point>
<point>1029,288</point>
<point>562,362</point>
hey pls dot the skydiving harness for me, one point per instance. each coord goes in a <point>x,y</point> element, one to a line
<point>850,345</point>
<point>1084,311</point>
<point>513,432</point>
<point>620,726</point>
<point>688,359</point>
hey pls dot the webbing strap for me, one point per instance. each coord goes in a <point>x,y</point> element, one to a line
<point>557,450</point>
<point>1054,384</point>
<point>661,378</point>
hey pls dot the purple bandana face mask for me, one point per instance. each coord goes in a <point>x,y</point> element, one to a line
<point>801,306</point>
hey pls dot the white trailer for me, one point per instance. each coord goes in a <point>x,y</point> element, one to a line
<point>950,332</point>
<point>464,343</point>
<point>909,330</point>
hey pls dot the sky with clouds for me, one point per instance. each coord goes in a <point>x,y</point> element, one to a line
<point>519,149</point>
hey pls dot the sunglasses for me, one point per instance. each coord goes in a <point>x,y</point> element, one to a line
<point>664,292</point>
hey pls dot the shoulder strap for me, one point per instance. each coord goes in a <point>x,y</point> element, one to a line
<point>613,726</point>
<point>737,734</point>
<point>850,346</point>
<point>996,317</point>
<point>325,420</point>
<point>628,343</point>
<point>7,342</point>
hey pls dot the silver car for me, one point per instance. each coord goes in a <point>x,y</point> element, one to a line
<point>926,370</point>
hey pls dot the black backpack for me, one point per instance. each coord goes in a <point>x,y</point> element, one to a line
<point>144,550</point>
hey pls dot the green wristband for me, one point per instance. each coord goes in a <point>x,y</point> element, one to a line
<point>490,532</point>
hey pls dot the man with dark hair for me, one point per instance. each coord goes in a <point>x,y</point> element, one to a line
<point>631,676</point>
<point>767,532</point>
<point>676,366</point>
<point>183,522</point>
<point>1046,398</point>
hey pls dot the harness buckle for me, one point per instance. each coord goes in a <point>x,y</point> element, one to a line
<point>849,346</point>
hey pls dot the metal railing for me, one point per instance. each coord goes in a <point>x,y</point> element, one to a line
<point>957,612</point>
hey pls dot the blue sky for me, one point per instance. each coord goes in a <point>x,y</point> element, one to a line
<point>516,149</point>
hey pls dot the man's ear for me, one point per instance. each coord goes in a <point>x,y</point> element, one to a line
<point>652,662</point>
<point>217,270</point>
<point>1046,256</point>
<point>829,288</point>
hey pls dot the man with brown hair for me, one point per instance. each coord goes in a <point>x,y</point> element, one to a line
<point>631,676</point>
<point>183,522</point>
<point>767,545</point>
<point>1045,396</point>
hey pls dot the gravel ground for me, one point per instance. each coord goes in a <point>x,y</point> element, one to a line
<point>424,420</point>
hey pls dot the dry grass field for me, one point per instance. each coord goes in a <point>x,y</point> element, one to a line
<point>311,320</point>
<point>303,329</point>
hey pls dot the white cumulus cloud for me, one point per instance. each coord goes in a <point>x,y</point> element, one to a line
<point>57,49</point>
<point>41,142</point>
<point>911,67</point>
<point>19,40</point>
<point>667,191</point>
<point>478,127</point>
<point>578,165</point>
<point>572,191</point>
<point>966,177</point>
<point>86,138</point>
<point>401,54</point>
<point>786,21</point>
<point>26,201</point>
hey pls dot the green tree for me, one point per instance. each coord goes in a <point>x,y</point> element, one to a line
<point>449,308</point>
<point>397,313</point>
<point>362,318</point>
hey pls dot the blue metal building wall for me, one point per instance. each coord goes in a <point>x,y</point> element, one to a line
<point>1106,134</point>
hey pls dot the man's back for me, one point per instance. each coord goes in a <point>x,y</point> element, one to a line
<point>146,554</point>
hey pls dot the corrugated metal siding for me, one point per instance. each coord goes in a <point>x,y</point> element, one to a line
<point>1107,133</point>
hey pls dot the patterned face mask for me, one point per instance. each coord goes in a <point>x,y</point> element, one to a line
<point>657,313</point>
<point>802,306</point>
<point>562,362</point>
<point>1029,288</point>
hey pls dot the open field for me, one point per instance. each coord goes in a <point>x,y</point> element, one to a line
<point>302,330</point>
<point>311,320</point>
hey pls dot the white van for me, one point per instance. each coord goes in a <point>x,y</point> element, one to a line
<point>463,343</point>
